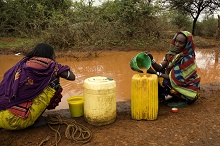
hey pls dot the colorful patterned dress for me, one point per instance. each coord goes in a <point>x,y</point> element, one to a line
<point>184,82</point>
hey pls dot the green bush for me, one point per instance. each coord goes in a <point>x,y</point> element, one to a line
<point>207,27</point>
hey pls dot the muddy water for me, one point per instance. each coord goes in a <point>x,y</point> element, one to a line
<point>115,65</point>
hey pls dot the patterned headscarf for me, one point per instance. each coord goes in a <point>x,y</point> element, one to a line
<point>182,67</point>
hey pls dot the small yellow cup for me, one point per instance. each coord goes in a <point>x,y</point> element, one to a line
<point>76,106</point>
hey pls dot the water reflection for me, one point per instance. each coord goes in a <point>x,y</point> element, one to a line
<point>115,65</point>
<point>205,59</point>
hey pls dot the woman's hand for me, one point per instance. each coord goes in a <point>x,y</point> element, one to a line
<point>149,54</point>
<point>68,74</point>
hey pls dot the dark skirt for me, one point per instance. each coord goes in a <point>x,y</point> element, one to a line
<point>165,89</point>
<point>56,99</point>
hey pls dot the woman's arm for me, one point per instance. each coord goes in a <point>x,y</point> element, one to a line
<point>158,67</point>
<point>166,76</point>
<point>159,74</point>
<point>68,74</point>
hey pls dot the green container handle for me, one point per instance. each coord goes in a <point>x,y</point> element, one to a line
<point>139,61</point>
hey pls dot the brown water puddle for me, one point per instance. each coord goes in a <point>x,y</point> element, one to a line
<point>115,65</point>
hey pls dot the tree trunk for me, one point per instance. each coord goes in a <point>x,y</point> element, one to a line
<point>194,26</point>
<point>217,38</point>
<point>218,29</point>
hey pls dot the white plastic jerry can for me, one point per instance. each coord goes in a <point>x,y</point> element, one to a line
<point>99,100</point>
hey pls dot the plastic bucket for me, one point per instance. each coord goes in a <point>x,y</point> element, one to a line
<point>76,106</point>
<point>141,60</point>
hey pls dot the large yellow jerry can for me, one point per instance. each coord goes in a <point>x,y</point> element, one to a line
<point>144,97</point>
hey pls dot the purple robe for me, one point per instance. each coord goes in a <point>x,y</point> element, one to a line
<point>17,88</point>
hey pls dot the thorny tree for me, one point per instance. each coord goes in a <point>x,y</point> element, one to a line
<point>194,7</point>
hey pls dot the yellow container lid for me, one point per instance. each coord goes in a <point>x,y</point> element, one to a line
<point>99,83</point>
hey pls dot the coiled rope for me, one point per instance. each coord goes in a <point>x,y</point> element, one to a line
<point>75,132</point>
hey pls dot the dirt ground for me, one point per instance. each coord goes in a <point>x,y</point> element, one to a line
<point>197,125</point>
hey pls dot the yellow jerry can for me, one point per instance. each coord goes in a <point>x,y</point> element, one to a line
<point>99,100</point>
<point>144,97</point>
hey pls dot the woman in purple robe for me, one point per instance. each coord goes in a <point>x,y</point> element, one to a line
<point>30,87</point>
